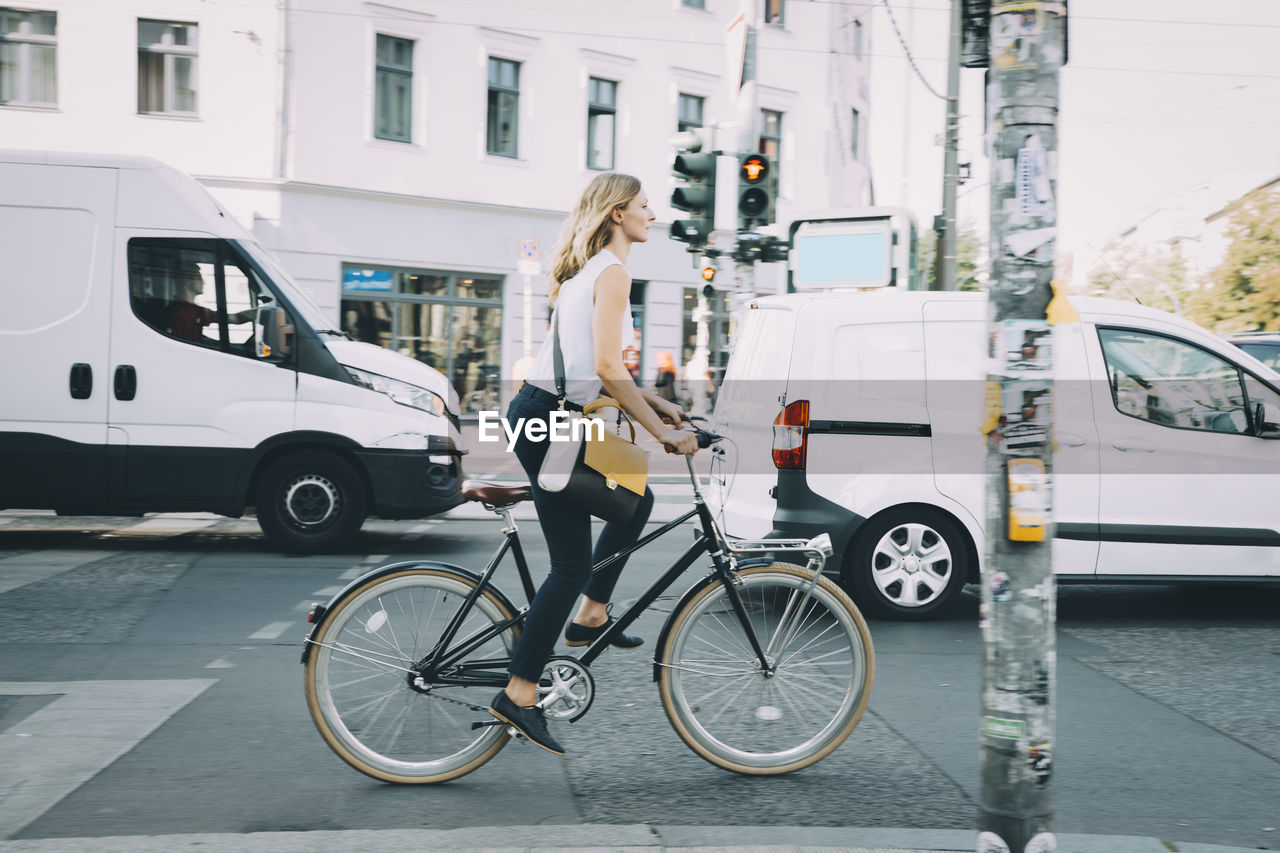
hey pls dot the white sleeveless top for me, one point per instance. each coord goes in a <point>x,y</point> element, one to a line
<point>574,307</point>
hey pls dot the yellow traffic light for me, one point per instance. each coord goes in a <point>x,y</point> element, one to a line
<point>708,273</point>
<point>754,169</point>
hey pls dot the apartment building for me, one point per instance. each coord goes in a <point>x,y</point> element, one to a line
<point>402,157</point>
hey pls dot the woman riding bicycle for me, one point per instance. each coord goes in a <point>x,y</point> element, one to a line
<point>590,290</point>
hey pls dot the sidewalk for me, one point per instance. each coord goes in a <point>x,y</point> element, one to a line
<point>640,838</point>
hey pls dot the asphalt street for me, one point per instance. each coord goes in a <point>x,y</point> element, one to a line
<point>150,686</point>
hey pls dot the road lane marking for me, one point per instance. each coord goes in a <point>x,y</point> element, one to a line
<point>29,568</point>
<point>271,632</point>
<point>328,591</point>
<point>166,525</point>
<point>69,741</point>
<point>220,663</point>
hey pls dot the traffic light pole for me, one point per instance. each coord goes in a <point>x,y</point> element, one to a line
<point>1027,49</point>
<point>748,116</point>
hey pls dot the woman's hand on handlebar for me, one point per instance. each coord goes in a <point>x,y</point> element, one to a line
<point>668,411</point>
<point>679,441</point>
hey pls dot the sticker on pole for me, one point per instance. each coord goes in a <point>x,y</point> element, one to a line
<point>989,842</point>
<point>1006,729</point>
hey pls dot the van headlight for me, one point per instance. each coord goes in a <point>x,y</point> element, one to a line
<point>402,392</point>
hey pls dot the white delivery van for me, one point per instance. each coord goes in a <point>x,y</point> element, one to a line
<point>157,359</point>
<point>858,414</point>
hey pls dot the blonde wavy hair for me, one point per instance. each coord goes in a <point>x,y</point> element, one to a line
<point>590,226</point>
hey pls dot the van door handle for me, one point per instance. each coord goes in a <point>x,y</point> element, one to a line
<point>81,381</point>
<point>1070,439</point>
<point>126,382</point>
<point>1135,445</point>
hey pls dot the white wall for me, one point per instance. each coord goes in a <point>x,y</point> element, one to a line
<point>284,131</point>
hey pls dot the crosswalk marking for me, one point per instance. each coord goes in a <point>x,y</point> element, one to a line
<point>57,749</point>
<point>28,568</point>
<point>271,631</point>
<point>166,525</point>
<point>220,663</point>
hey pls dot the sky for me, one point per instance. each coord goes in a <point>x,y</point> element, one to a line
<point>1161,100</point>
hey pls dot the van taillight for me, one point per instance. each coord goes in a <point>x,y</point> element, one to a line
<point>790,434</point>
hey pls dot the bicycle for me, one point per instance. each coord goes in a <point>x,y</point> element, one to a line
<point>763,667</point>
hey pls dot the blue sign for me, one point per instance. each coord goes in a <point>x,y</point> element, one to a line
<point>377,280</point>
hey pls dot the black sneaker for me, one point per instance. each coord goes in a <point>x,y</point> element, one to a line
<point>530,722</point>
<point>584,635</point>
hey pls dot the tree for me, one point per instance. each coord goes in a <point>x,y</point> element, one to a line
<point>1155,276</point>
<point>968,245</point>
<point>1244,291</point>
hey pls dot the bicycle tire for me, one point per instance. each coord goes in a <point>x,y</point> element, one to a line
<point>427,739</point>
<point>719,700</point>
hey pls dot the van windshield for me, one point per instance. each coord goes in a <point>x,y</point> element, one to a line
<point>311,314</point>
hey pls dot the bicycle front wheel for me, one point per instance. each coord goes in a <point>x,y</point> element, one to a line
<point>361,692</point>
<point>744,717</point>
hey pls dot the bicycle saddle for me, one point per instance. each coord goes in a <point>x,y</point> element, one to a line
<point>495,494</point>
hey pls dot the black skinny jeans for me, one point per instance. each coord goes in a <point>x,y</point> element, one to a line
<point>566,525</point>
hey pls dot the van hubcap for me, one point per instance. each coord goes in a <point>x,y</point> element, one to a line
<point>911,565</point>
<point>311,500</point>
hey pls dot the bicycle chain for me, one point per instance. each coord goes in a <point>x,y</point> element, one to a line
<point>429,692</point>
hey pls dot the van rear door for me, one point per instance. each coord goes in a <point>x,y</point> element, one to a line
<point>55,238</point>
<point>747,404</point>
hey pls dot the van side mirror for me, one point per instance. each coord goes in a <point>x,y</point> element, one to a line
<point>1266,420</point>
<point>273,334</point>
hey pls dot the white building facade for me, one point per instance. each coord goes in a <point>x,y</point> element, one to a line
<point>396,156</point>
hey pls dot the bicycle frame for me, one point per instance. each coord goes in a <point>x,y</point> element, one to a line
<point>445,664</point>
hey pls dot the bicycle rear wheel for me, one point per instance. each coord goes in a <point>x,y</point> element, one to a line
<point>359,688</point>
<point>733,713</point>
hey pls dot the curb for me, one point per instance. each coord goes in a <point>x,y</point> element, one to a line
<point>627,838</point>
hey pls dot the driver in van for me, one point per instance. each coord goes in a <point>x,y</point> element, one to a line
<point>185,319</point>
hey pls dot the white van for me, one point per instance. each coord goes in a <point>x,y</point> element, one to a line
<point>858,414</point>
<point>157,359</point>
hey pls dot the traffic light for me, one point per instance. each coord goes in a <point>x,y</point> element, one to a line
<point>757,187</point>
<point>695,192</point>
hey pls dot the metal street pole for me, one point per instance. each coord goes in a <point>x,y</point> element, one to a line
<point>1027,45</point>
<point>946,246</point>
<point>748,115</point>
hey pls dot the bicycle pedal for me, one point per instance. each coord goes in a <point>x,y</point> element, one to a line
<point>484,724</point>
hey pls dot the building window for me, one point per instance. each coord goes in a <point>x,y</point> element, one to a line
<point>504,107</point>
<point>854,128</point>
<point>451,321</point>
<point>28,54</point>
<point>602,109</point>
<point>393,89</point>
<point>773,12</point>
<point>857,39</point>
<point>695,4</point>
<point>771,134</point>
<point>719,330</point>
<point>633,352</point>
<point>167,67</point>
<point>690,112</point>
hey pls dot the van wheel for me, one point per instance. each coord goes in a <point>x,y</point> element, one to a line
<point>310,502</point>
<point>908,563</point>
